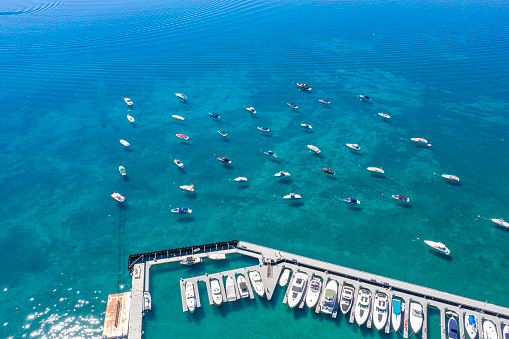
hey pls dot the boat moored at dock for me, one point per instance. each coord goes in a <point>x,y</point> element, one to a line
<point>242,285</point>
<point>346,299</point>
<point>398,307</point>
<point>189,261</point>
<point>216,292</point>
<point>256,281</point>
<point>471,325</point>
<point>313,292</point>
<point>416,317</point>
<point>147,302</point>
<point>217,256</point>
<point>489,329</point>
<point>230,289</point>
<point>283,280</point>
<point>362,309</point>
<point>381,310</point>
<point>452,328</point>
<point>297,289</point>
<point>190,297</point>
<point>330,297</point>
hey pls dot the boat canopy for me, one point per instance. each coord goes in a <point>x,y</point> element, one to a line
<point>243,286</point>
<point>329,294</point>
<point>396,306</point>
<point>471,319</point>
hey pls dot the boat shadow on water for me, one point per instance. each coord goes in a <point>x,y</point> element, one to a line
<point>441,255</point>
<point>453,183</point>
<point>355,208</point>
<point>228,166</point>
<point>191,195</point>
<point>357,153</point>
<point>317,155</point>
<point>331,177</point>
<point>402,204</point>
<point>243,186</point>
<point>125,178</point>
<point>374,175</point>
<point>296,204</point>
<point>184,219</point>
<point>285,181</point>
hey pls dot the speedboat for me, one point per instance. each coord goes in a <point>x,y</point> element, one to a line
<point>328,170</point>
<point>304,87</point>
<point>421,141</point>
<point>190,297</point>
<point>241,284</point>
<point>216,292</point>
<point>314,148</point>
<point>182,210</point>
<point>364,97</point>
<point>125,143</point>
<point>272,154</point>
<point>323,101</point>
<point>501,222</point>
<point>313,292</point>
<point>471,325</point>
<point>397,308</point>
<point>214,114</point>
<point>128,101</point>
<point>292,105</point>
<point>380,313</point>
<point>130,118</point>
<point>122,171</point>
<point>147,302</point>
<point>223,133</point>
<point>416,317</point>
<point>292,196</point>
<point>189,261</point>
<point>230,289</point>
<point>297,289</point>
<point>450,177</point>
<point>452,328</point>
<point>178,117</point>
<point>346,299</point>
<point>376,170</point>
<point>284,277</point>
<point>225,160</point>
<point>256,281</point>
<point>251,110</point>
<point>179,163</point>
<point>438,246</point>
<point>352,200</point>
<point>385,116</point>
<point>181,96</point>
<point>118,197</point>
<point>489,330</point>
<point>189,188</point>
<point>401,198</point>
<point>217,256</point>
<point>355,147</point>
<point>263,129</point>
<point>306,125</point>
<point>330,297</point>
<point>282,174</point>
<point>182,136</point>
<point>240,179</point>
<point>363,306</point>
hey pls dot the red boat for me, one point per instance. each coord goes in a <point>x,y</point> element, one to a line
<point>182,136</point>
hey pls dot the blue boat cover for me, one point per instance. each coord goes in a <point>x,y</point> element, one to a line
<point>453,328</point>
<point>471,319</point>
<point>396,306</point>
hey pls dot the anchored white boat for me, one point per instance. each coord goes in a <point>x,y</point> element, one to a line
<point>178,117</point>
<point>130,118</point>
<point>292,196</point>
<point>189,261</point>
<point>401,198</point>
<point>181,96</point>
<point>189,188</point>
<point>501,222</point>
<point>118,197</point>
<point>330,297</point>
<point>128,101</point>
<point>242,285</point>
<point>381,311</point>
<point>304,87</point>
<point>147,302</point>
<point>421,141</point>
<point>224,160</point>
<point>354,147</point>
<point>297,289</point>
<point>240,179</point>
<point>450,177</point>
<point>364,97</point>
<point>223,133</point>
<point>256,281</point>
<point>471,325</point>
<point>308,126</point>
<point>346,299</point>
<point>217,256</point>
<point>190,297</point>
<point>314,148</point>
<point>122,171</point>
<point>125,143</point>
<point>416,317</point>
<point>230,289</point>
<point>489,330</point>
<point>398,308</point>
<point>216,292</point>
<point>438,246</point>
<point>282,174</point>
<point>363,306</point>
<point>251,110</point>
<point>385,116</point>
<point>179,210</point>
<point>179,163</point>
<point>284,277</point>
<point>313,292</point>
<point>376,170</point>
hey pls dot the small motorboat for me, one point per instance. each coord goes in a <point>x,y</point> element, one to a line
<point>397,313</point>
<point>240,179</point>
<point>306,125</point>
<point>313,292</point>
<point>179,163</point>
<point>489,330</point>
<point>364,97</point>
<point>346,299</point>
<point>256,281</point>
<point>385,116</point>
<point>130,118</point>
<point>401,198</point>
<point>501,222</point>
<point>452,328</point>
<point>450,177</point>
<point>182,136</point>
<point>224,160</point>
<point>189,261</point>
<point>125,143</point>
<point>182,210</point>
<point>242,285</point>
<point>128,101</point>
<point>214,114</point>
<point>323,101</point>
<point>380,312</point>
<point>251,110</point>
<point>438,246</point>
<point>282,174</point>
<point>190,297</point>
<point>354,147</point>
<point>420,141</point>
<point>181,96</point>
<point>330,297</point>
<point>118,197</point>
<point>230,289</point>
<point>284,277</point>
<point>217,256</point>
<point>270,153</point>
<point>189,188</point>
<point>147,302</point>
<point>328,170</point>
<point>223,133</point>
<point>292,105</point>
<point>304,87</point>
<point>178,117</point>
<point>297,289</point>
<point>376,170</point>
<point>352,200</point>
<point>363,306</point>
<point>263,129</point>
<point>471,325</point>
<point>505,332</point>
<point>292,196</point>
<point>122,171</point>
<point>416,317</point>
<point>314,148</point>
<point>216,292</point>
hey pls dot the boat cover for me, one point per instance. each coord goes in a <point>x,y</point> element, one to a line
<point>396,306</point>
<point>453,329</point>
<point>471,319</point>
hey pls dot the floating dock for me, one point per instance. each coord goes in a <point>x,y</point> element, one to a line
<point>271,262</point>
<point>116,320</point>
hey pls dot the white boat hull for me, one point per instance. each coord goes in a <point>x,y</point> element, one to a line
<point>471,329</point>
<point>297,289</point>
<point>241,281</point>
<point>190,297</point>
<point>381,311</point>
<point>489,330</point>
<point>217,297</point>
<point>313,295</point>
<point>362,309</point>
<point>230,289</point>
<point>256,282</point>
<point>416,318</point>
<point>329,303</point>
<point>284,277</point>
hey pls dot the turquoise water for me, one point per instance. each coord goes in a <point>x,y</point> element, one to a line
<point>438,68</point>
